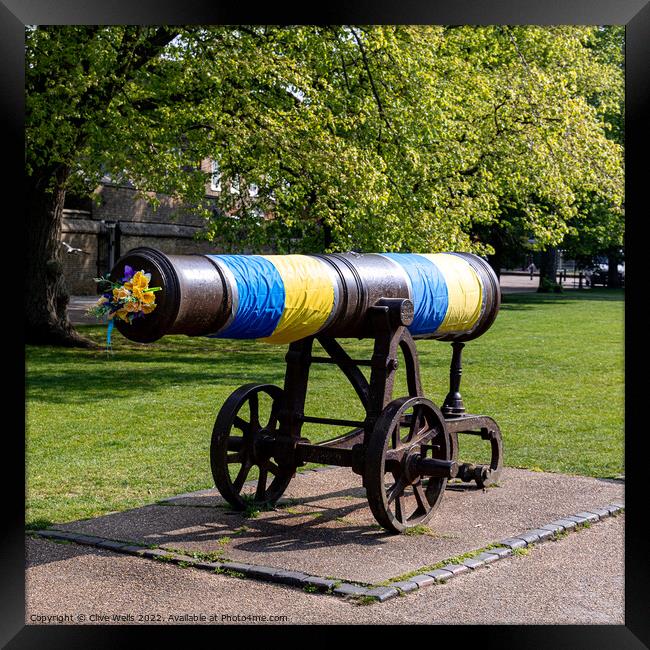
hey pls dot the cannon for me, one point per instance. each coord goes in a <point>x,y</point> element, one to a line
<point>406,447</point>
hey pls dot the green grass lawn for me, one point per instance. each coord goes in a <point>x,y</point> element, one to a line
<point>109,432</point>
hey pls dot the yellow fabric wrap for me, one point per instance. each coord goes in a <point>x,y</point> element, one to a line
<point>465,292</point>
<point>309,297</point>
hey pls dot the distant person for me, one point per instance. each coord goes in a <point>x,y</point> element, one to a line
<point>531,269</point>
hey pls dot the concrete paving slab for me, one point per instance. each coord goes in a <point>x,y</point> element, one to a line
<point>575,580</point>
<point>323,525</point>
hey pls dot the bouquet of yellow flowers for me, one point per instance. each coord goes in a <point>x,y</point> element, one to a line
<point>129,299</point>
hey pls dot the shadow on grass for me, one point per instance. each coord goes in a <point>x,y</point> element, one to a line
<point>73,376</point>
<point>63,376</point>
<point>81,385</point>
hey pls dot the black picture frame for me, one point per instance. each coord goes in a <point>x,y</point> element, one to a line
<point>635,14</point>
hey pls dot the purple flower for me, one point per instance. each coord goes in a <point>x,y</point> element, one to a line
<point>128,273</point>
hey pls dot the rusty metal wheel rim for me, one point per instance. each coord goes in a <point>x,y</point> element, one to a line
<point>494,469</point>
<point>392,453</point>
<point>253,448</point>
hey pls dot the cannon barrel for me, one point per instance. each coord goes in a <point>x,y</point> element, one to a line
<point>283,298</point>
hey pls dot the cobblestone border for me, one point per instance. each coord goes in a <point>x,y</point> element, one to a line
<point>317,584</point>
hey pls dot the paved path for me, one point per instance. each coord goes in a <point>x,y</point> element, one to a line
<point>576,580</point>
<point>77,310</point>
<point>323,527</point>
<point>518,284</point>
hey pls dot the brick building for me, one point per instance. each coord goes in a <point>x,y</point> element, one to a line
<point>109,228</point>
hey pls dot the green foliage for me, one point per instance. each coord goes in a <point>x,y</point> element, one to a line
<point>230,573</point>
<point>560,534</point>
<point>207,556</point>
<point>457,559</point>
<point>357,137</point>
<point>600,226</point>
<point>419,530</point>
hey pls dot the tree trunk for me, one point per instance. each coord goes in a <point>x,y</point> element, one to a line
<point>613,259</point>
<point>548,269</point>
<point>496,260</point>
<point>46,297</point>
<point>328,235</point>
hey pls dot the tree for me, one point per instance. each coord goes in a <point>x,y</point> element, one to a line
<point>573,97</point>
<point>588,217</point>
<point>601,228</point>
<point>73,74</point>
<point>391,138</point>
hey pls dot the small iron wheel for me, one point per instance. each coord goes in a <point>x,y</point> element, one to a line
<point>483,474</point>
<point>492,472</point>
<point>241,441</point>
<point>409,429</point>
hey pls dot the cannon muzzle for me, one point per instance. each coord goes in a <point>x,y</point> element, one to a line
<point>283,298</point>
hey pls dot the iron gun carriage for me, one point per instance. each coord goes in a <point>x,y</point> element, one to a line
<point>406,447</point>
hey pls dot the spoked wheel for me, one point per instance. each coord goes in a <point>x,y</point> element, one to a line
<point>242,439</point>
<point>408,462</point>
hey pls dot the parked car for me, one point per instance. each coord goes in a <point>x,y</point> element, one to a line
<point>597,275</point>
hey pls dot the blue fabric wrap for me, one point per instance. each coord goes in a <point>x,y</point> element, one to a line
<point>261,297</point>
<point>430,296</point>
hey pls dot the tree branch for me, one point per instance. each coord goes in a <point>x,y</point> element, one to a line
<point>366,65</point>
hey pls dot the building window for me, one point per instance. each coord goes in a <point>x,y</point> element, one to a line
<point>215,178</point>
